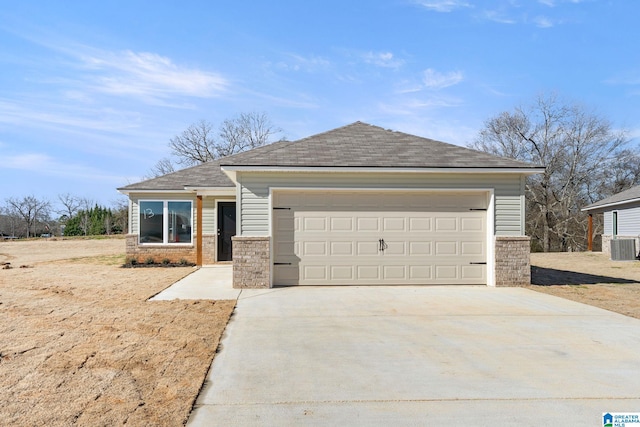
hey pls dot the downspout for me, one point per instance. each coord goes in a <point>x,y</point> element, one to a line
<point>590,233</point>
<point>199,231</point>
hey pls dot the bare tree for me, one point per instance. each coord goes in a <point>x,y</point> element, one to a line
<point>86,204</point>
<point>121,214</point>
<point>573,144</point>
<point>201,143</point>
<point>162,167</point>
<point>246,131</point>
<point>196,144</point>
<point>30,210</point>
<point>70,205</point>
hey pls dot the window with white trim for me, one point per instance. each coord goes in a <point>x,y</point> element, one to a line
<point>166,221</point>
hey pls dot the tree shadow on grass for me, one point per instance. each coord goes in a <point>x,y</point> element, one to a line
<point>549,277</point>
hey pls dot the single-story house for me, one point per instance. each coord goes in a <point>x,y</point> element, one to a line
<point>621,217</point>
<point>357,205</point>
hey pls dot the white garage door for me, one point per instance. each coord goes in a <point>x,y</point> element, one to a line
<point>379,238</point>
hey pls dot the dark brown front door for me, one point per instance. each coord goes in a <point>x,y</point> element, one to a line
<point>226,229</point>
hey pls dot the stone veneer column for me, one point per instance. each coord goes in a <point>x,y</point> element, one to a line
<point>209,243</point>
<point>513,264</point>
<point>251,262</point>
<point>606,244</point>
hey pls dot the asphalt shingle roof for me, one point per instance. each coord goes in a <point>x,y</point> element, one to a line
<point>205,175</point>
<point>363,145</point>
<point>632,194</point>
<point>355,145</point>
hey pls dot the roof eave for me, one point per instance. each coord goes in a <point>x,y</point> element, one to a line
<point>609,205</point>
<point>230,170</point>
<point>199,190</point>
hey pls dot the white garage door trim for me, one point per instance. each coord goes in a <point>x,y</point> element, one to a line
<point>490,215</point>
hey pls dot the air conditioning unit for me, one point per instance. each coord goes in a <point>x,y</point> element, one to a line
<point>623,249</point>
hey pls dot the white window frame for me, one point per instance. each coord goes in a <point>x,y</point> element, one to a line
<point>165,222</point>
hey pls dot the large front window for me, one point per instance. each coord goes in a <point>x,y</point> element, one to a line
<point>165,221</point>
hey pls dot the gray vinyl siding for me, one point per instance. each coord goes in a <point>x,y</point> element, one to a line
<point>608,223</point>
<point>208,215</point>
<point>628,220</point>
<point>254,193</point>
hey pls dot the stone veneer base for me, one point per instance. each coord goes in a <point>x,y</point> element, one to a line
<point>251,262</point>
<point>513,261</point>
<point>174,253</point>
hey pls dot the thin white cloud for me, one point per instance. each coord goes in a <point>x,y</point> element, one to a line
<point>150,75</point>
<point>44,113</point>
<point>145,76</point>
<point>311,63</point>
<point>443,5</point>
<point>435,80</point>
<point>499,17</point>
<point>550,3</point>
<point>382,59</point>
<point>543,22</point>
<point>47,165</point>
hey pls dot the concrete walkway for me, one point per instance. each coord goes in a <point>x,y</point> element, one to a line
<point>209,282</point>
<point>454,356</point>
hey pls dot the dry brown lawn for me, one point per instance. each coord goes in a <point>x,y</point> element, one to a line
<point>590,278</point>
<point>80,343</point>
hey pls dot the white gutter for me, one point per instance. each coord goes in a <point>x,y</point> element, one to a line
<point>202,191</point>
<point>230,169</point>
<point>607,205</point>
<point>212,191</point>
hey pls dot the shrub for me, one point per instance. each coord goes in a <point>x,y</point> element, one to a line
<point>166,261</point>
<point>150,261</point>
<point>183,262</point>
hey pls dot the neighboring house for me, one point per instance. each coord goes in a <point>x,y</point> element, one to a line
<point>621,217</point>
<point>357,205</point>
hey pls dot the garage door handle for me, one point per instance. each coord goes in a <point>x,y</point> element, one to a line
<point>478,263</point>
<point>281,263</point>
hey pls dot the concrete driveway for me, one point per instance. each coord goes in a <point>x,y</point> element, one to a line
<point>454,356</point>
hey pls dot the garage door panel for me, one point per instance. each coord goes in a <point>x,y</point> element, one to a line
<point>472,224</point>
<point>368,247</point>
<point>364,224</point>
<point>335,239</point>
<point>314,272</point>
<point>446,224</point>
<point>341,272</point>
<point>394,248</point>
<point>420,225</point>
<point>472,272</point>
<point>341,249</point>
<point>314,249</point>
<point>394,272</point>
<point>343,224</point>
<point>472,249</point>
<point>393,224</point>
<point>446,248</point>
<point>420,273</point>
<point>367,272</point>
<point>314,224</point>
<point>446,272</point>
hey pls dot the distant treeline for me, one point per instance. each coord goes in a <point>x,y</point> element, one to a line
<point>96,221</point>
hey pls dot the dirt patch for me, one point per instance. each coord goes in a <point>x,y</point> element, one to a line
<point>79,343</point>
<point>590,278</point>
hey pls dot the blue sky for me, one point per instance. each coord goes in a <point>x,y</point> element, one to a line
<point>91,92</point>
